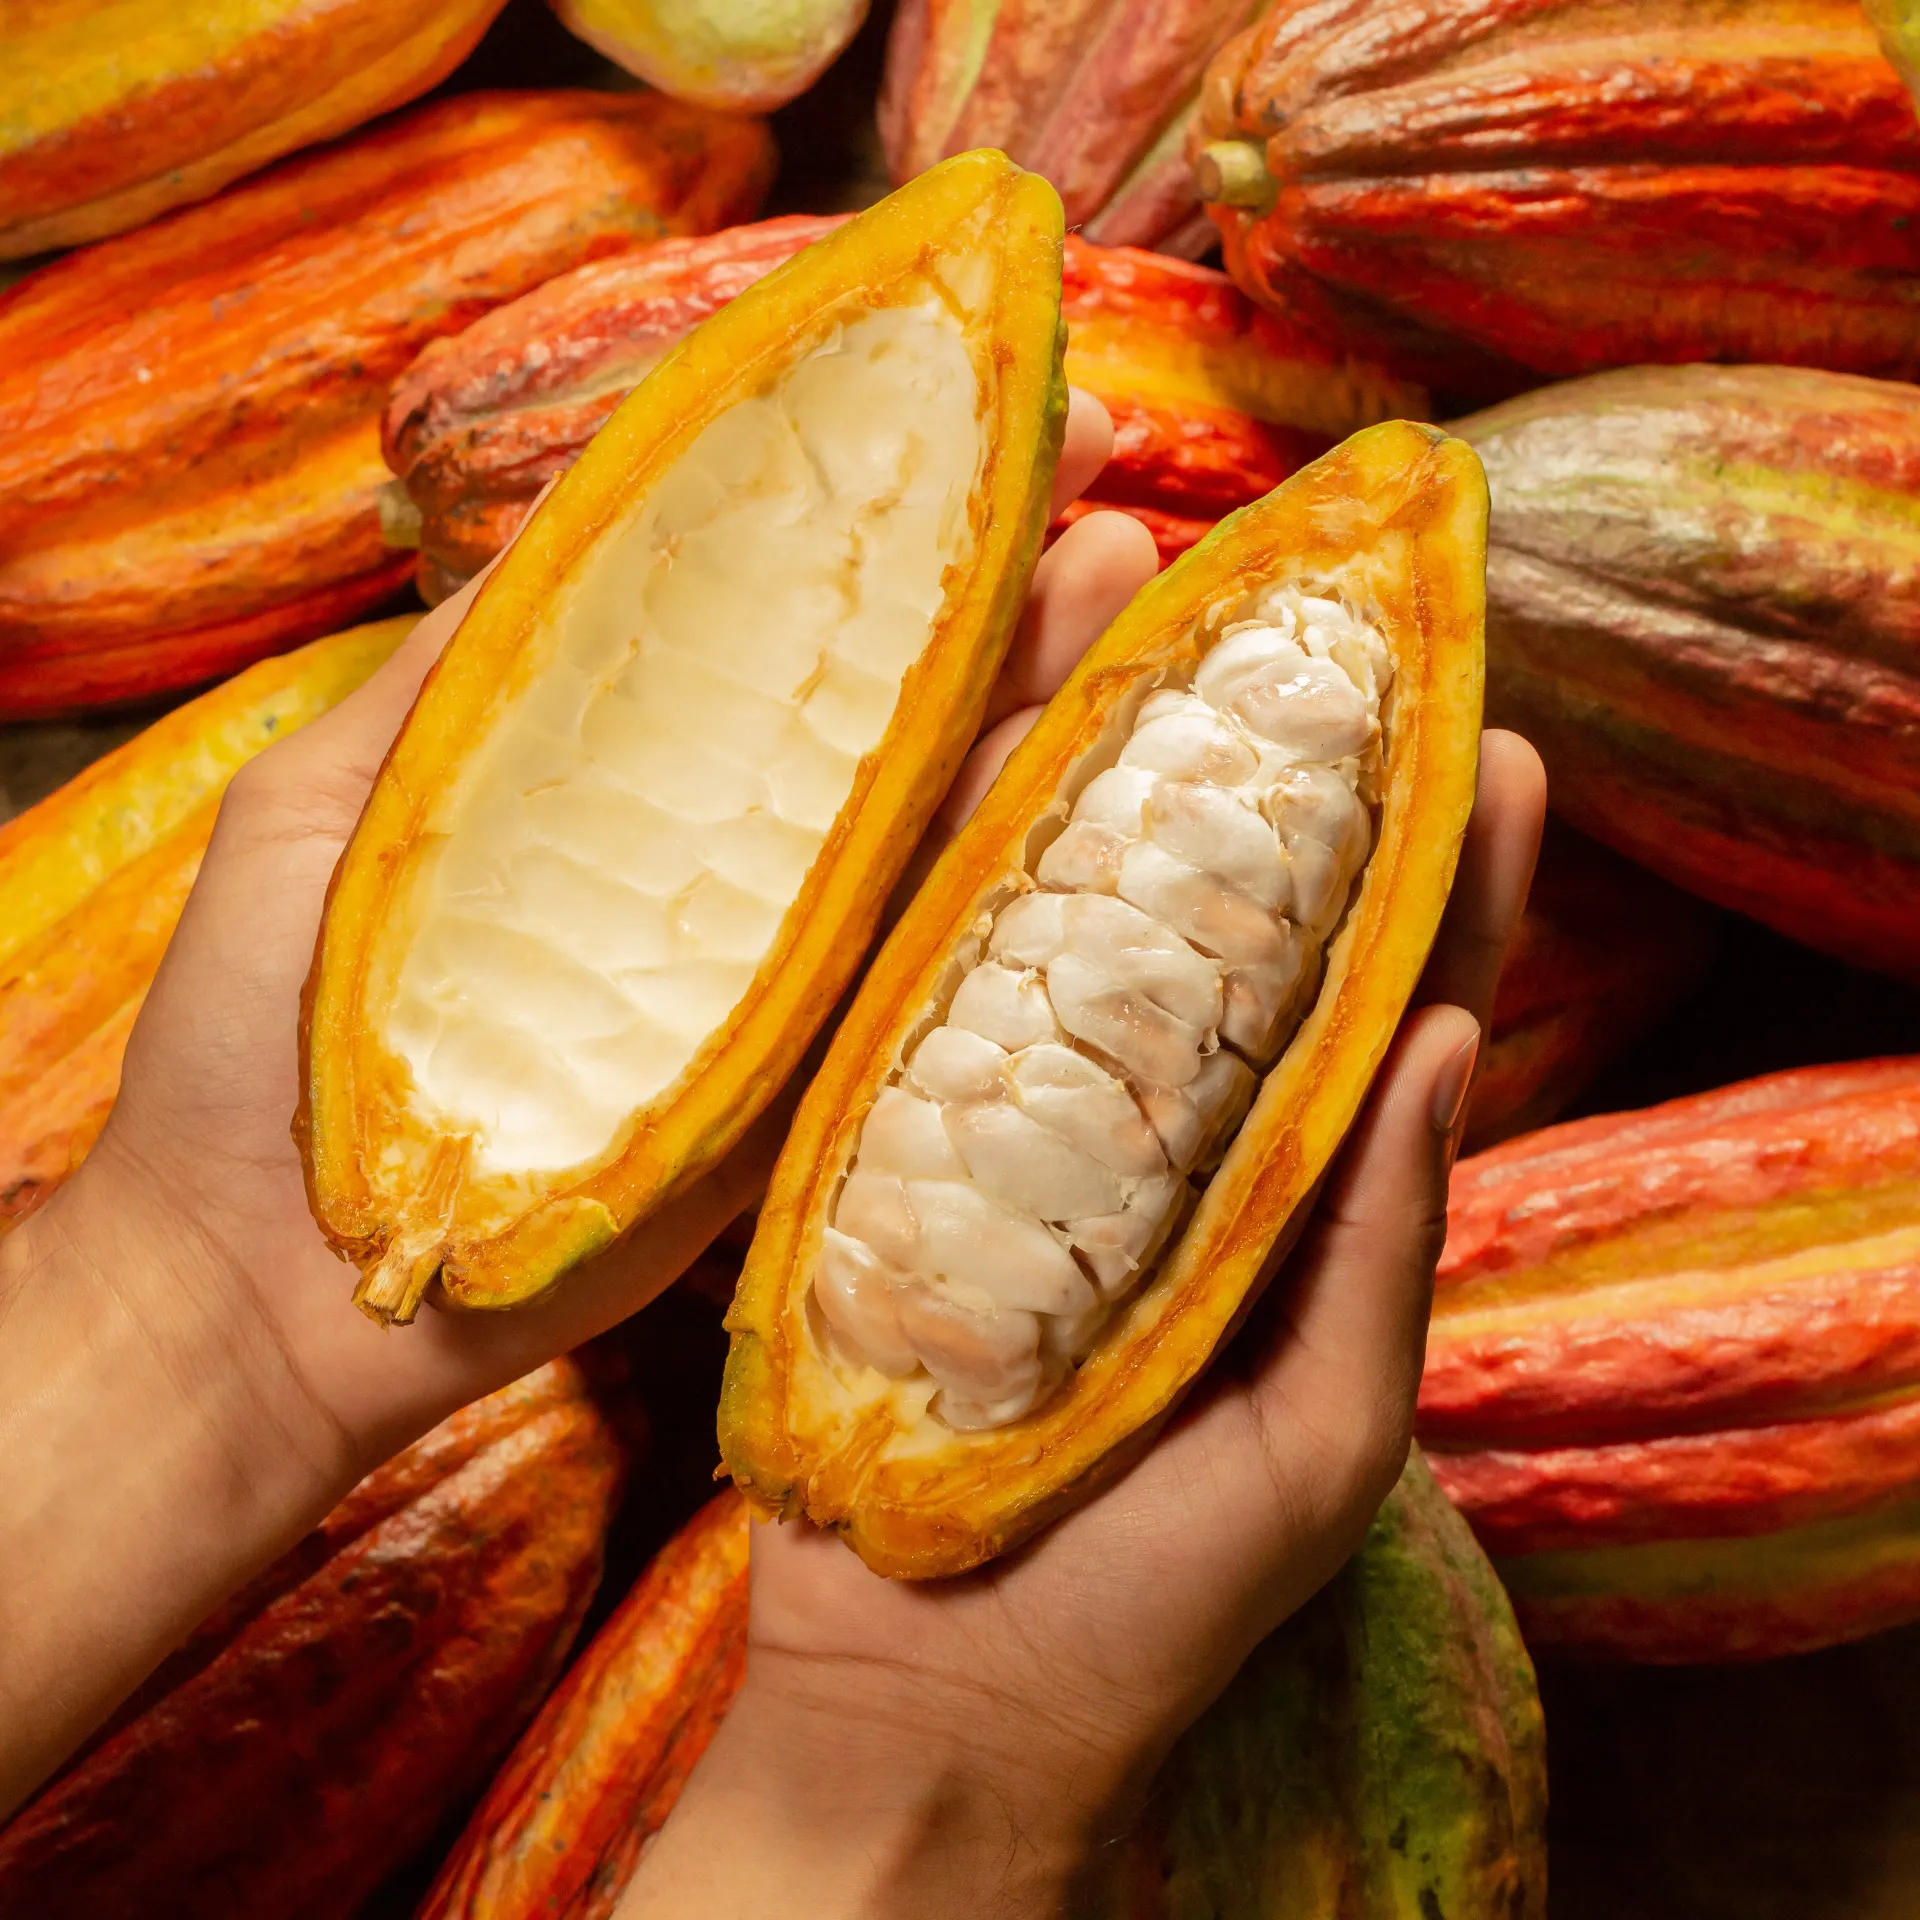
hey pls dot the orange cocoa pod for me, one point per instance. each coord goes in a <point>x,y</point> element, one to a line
<point>312,1734</point>
<point>1602,951</point>
<point>1673,1375</point>
<point>1703,607</point>
<point>189,415</point>
<point>92,881</point>
<point>112,114</point>
<point>1214,402</point>
<point>770,601</point>
<point>1483,190</point>
<point>1097,95</point>
<point>568,1816</point>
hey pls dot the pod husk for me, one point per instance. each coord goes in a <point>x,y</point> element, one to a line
<point>1398,512</point>
<point>481,1243</point>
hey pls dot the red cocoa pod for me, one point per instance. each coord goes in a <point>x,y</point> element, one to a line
<point>1673,1375</point>
<point>309,1737</point>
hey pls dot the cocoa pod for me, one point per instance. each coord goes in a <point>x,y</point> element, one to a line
<point>1703,607</point>
<point>1097,95</point>
<point>772,598</point>
<point>189,415</point>
<point>980,1278</point>
<point>1673,1375</point>
<point>1485,190</point>
<point>114,113</point>
<point>566,1820</point>
<point>307,1739</point>
<point>92,881</point>
<point>1602,951</point>
<point>1213,401</point>
<point>1381,1755</point>
<point>738,54</point>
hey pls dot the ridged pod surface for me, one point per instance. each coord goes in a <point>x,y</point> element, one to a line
<point>636,832</point>
<point>92,881</point>
<point>749,56</point>
<point>1673,1376</point>
<point>1703,607</point>
<point>568,1816</point>
<point>1603,950</point>
<point>1213,401</point>
<point>1382,1751</point>
<point>114,112</point>
<point>1097,95</point>
<point>1391,523</point>
<point>1490,188</point>
<point>189,415</point>
<point>310,1736</point>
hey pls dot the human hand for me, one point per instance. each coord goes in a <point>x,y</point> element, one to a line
<point>184,1378</point>
<point>963,1746</point>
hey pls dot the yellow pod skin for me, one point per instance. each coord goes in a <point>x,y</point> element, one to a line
<point>675,671</point>
<point>1393,520</point>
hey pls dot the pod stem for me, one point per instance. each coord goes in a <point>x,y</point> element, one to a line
<point>390,1291</point>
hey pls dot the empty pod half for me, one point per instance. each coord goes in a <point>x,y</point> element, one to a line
<point>1104,1058</point>
<point>632,840</point>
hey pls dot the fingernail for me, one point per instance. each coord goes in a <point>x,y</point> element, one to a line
<point>1451,1083</point>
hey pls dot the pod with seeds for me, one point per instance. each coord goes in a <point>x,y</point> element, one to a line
<point>633,838</point>
<point>1078,1103</point>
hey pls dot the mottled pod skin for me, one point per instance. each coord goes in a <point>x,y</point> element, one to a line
<point>1703,607</point>
<point>112,114</point>
<point>1673,1376</point>
<point>568,1816</point>
<point>92,881</point>
<point>1397,513</point>
<point>1213,401</point>
<point>308,1737</point>
<point>189,415</point>
<point>1097,95</point>
<point>1603,950</point>
<point>746,55</point>
<point>1496,188</point>
<point>407,1202</point>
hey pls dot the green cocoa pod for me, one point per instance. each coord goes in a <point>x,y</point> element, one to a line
<point>1381,1757</point>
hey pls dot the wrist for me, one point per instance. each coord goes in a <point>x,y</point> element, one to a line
<point>155,1460</point>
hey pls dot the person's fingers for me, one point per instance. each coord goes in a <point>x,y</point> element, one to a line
<point>1079,588</point>
<point>1490,888</point>
<point>1087,447</point>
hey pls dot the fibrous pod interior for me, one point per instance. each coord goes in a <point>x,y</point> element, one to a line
<point>1114,1042</point>
<point>633,838</point>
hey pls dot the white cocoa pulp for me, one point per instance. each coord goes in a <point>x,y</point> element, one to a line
<point>621,853</point>
<point>1017,1177</point>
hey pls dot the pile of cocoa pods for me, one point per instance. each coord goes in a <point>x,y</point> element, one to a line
<point>308,308</point>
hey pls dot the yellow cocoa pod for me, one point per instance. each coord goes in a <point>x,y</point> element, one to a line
<point>634,837</point>
<point>1070,1120</point>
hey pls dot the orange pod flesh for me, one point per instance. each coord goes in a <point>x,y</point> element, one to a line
<point>92,881</point>
<point>1393,520</point>
<point>678,865</point>
<point>114,113</point>
<point>1673,1377</point>
<point>189,415</point>
<point>593,1779</point>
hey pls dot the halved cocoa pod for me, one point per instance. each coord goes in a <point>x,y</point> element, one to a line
<point>1213,401</point>
<point>633,838</point>
<point>92,881</point>
<point>1484,191</point>
<point>1603,950</point>
<point>1673,1375</point>
<point>1703,607</point>
<point>568,1817</point>
<point>190,463</point>
<point>112,113</point>
<point>1039,1177</point>
<point>308,1737</point>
